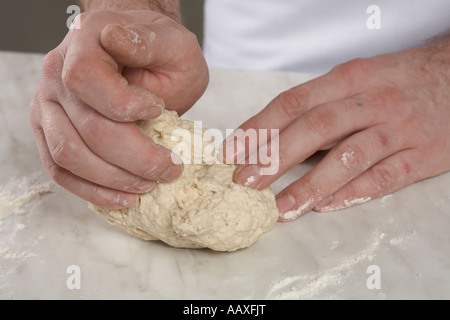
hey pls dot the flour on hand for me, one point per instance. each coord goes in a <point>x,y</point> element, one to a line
<point>203,208</point>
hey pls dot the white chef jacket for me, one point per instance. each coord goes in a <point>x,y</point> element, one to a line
<point>315,35</point>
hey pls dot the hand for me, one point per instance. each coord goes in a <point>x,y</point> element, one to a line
<point>116,69</point>
<point>387,120</point>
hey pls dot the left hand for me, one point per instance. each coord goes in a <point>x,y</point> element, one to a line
<point>386,120</point>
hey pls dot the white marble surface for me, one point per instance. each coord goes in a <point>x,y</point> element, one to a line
<point>319,256</point>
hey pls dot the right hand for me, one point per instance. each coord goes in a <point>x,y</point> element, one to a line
<point>116,69</point>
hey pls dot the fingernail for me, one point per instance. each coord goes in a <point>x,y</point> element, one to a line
<point>176,159</point>
<point>156,101</point>
<point>324,205</point>
<point>286,203</point>
<point>220,155</point>
<point>155,107</point>
<point>249,176</point>
<point>171,173</point>
<point>126,200</point>
<point>152,112</point>
<point>144,185</point>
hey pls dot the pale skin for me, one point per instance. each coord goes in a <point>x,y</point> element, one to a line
<point>125,63</point>
<point>385,120</point>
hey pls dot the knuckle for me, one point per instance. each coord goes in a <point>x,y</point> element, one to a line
<point>88,18</point>
<point>381,140</point>
<point>405,167</point>
<point>353,190</point>
<point>385,97</point>
<point>38,132</point>
<point>383,177</point>
<point>65,154</point>
<point>192,38</point>
<point>98,132</point>
<point>73,75</point>
<point>35,114</point>
<point>49,62</point>
<point>189,38</point>
<point>290,103</point>
<point>351,157</point>
<point>83,16</point>
<point>354,68</point>
<point>59,175</point>
<point>320,121</point>
<point>311,187</point>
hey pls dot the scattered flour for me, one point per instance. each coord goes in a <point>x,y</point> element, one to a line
<point>334,244</point>
<point>250,180</point>
<point>327,283</point>
<point>399,241</point>
<point>347,157</point>
<point>134,37</point>
<point>319,285</point>
<point>7,254</point>
<point>347,204</point>
<point>18,192</point>
<point>15,195</point>
<point>386,200</point>
<point>350,203</point>
<point>294,214</point>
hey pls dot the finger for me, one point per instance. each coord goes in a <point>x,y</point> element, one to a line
<point>388,176</point>
<point>70,152</point>
<point>291,104</point>
<point>98,195</point>
<point>91,74</point>
<point>342,164</point>
<point>145,45</point>
<point>313,131</point>
<point>122,144</point>
<point>162,57</point>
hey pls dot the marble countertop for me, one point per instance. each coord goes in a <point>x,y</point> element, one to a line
<point>53,247</point>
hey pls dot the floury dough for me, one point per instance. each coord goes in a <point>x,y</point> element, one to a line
<point>203,208</point>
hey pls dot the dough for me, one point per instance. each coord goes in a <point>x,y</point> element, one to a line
<point>203,208</point>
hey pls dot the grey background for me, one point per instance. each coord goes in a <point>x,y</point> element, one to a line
<point>40,25</point>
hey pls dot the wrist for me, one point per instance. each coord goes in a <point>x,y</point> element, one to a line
<point>170,8</point>
<point>437,56</point>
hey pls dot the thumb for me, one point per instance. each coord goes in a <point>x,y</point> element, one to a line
<point>140,45</point>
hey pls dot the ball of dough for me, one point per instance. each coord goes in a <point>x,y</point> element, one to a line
<point>203,208</point>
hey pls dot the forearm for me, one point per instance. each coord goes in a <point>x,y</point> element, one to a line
<point>435,56</point>
<point>443,43</point>
<point>170,8</point>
